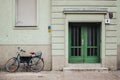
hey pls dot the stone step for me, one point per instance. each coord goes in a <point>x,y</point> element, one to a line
<point>99,69</point>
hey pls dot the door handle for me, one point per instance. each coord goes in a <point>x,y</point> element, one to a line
<point>82,42</point>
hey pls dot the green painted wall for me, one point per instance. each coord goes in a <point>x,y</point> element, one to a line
<point>9,34</point>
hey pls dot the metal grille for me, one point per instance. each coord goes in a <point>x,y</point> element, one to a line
<point>92,41</point>
<point>92,52</point>
<point>75,40</point>
<point>75,36</point>
<point>75,52</point>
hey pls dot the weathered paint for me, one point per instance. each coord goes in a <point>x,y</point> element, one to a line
<point>109,32</point>
<point>50,12</point>
<point>28,38</point>
<point>10,34</point>
<point>118,33</point>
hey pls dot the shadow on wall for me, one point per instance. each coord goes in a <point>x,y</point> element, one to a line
<point>9,51</point>
<point>118,56</point>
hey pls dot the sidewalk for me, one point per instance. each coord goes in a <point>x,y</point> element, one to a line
<point>44,75</point>
<point>60,75</point>
<point>88,75</point>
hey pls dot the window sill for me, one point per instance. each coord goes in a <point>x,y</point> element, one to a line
<point>26,28</point>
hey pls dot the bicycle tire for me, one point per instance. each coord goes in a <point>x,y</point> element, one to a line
<point>12,65</point>
<point>36,64</point>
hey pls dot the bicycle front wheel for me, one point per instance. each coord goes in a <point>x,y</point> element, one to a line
<point>12,65</point>
<point>36,64</point>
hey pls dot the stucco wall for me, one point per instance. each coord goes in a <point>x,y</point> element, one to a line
<point>9,34</point>
<point>33,36</point>
<point>58,22</point>
<point>118,20</point>
<point>59,27</point>
<point>9,51</point>
<point>58,62</point>
<point>29,38</point>
<point>118,32</point>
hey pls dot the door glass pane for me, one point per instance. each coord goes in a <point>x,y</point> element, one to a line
<point>76,36</point>
<point>92,52</point>
<point>89,34</point>
<point>76,52</point>
<point>92,36</point>
<point>92,39</point>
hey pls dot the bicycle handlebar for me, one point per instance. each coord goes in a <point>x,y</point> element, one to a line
<point>20,50</point>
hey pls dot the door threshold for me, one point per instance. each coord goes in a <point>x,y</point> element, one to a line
<point>85,67</point>
<point>99,69</point>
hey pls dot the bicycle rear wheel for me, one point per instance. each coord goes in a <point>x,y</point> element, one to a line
<point>12,65</point>
<point>36,64</point>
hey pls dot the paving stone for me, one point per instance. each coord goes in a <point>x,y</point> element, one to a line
<point>61,75</point>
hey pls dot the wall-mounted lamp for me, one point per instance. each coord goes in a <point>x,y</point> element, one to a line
<point>110,15</point>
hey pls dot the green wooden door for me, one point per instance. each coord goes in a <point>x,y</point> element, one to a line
<point>84,42</point>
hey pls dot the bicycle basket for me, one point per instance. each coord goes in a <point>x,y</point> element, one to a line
<point>39,53</point>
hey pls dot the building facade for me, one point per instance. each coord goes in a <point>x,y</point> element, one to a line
<point>118,31</point>
<point>70,33</point>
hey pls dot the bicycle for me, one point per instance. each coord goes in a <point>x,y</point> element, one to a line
<point>34,62</point>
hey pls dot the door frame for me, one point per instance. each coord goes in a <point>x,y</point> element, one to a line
<point>82,18</point>
<point>82,57</point>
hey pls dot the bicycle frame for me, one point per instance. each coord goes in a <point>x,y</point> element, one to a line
<point>28,61</point>
<point>25,59</point>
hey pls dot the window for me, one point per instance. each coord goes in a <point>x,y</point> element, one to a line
<point>26,13</point>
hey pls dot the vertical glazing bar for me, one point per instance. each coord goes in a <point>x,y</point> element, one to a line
<point>88,51</point>
<point>93,40</point>
<point>77,40</point>
<point>74,39</point>
<point>74,36</point>
<point>88,43</point>
<point>72,29</point>
<point>96,36</point>
<point>90,36</point>
<point>80,35</point>
<point>78,51</point>
<point>77,36</point>
<point>70,39</point>
<point>93,36</point>
<point>98,41</point>
<point>71,36</point>
<point>71,43</point>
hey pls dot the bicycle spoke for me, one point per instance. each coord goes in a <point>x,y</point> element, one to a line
<point>36,64</point>
<point>12,65</point>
